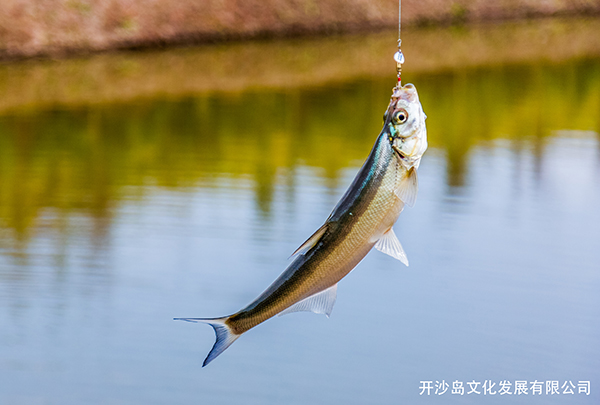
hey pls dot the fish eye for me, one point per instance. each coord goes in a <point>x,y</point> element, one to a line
<point>400,116</point>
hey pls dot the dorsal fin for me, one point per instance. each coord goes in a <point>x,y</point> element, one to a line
<point>310,242</point>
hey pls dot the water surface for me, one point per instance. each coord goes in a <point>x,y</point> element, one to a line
<point>116,217</point>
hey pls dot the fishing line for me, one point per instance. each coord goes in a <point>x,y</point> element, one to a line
<point>399,56</point>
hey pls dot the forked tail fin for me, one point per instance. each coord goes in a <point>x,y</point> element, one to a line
<point>225,337</point>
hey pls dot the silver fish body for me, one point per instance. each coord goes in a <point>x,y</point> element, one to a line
<point>362,219</point>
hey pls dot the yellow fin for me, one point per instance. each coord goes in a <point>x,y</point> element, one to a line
<point>310,242</point>
<point>408,188</point>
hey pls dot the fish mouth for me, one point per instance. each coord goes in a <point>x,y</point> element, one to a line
<point>408,93</point>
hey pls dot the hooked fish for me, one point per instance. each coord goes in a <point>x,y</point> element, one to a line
<point>361,220</point>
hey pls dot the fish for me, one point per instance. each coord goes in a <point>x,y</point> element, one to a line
<point>362,219</point>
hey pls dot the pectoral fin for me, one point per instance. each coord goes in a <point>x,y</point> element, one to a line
<point>319,303</point>
<point>310,242</point>
<point>390,245</point>
<point>408,188</point>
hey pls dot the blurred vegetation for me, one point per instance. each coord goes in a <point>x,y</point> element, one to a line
<point>278,64</point>
<point>74,153</point>
<point>84,159</point>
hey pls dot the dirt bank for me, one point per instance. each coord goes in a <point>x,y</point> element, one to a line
<point>58,27</point>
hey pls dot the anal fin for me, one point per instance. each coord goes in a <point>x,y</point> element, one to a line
<point>319,303</point>
<point>390,245</point>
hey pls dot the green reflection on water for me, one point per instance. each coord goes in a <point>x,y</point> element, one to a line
<point>82,160</point>
<point>520,103</point>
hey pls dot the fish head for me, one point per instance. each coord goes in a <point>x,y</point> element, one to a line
<point>404,125</point>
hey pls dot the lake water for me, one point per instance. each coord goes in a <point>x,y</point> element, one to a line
<point>116,217</point>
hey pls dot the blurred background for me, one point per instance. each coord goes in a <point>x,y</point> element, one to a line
<point>164,160</point>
